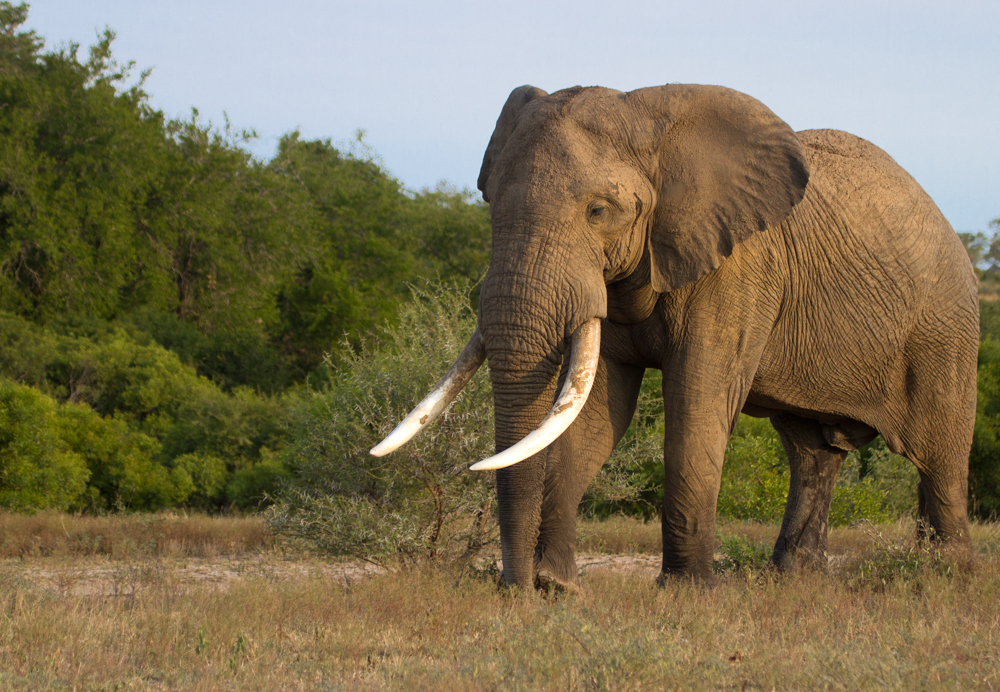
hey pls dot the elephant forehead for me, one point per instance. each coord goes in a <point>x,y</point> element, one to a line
<point>568,158</point>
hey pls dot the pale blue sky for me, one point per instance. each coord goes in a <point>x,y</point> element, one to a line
<point>426,80</point>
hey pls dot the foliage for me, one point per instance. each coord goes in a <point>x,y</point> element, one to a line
<point>873,484</point>
<point>755,473</point>
<point>743,556</point>
<point>631,481</point>
<point>253,486</point>
<point>421,500</point>
<point>152,432</point>
<point>107,208</point>
<point>374,240</point>
<point>984,253</point>
<point>37,469</point>
<point>122,462</point>
<point>984,461</point>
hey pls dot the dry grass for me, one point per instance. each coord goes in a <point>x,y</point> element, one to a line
<point>896,617</point>
<point>52,534</point>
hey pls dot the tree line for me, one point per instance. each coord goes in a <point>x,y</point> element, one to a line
<point>164,294</point>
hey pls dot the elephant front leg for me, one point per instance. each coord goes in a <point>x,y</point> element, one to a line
<point>573,460</point>
<point>700,406</point>
<point>693,452</point>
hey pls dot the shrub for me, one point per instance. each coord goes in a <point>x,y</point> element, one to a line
<point>37,469</point>
<point>874,484</point>
<point>207,478</point>
<point>984,461</point>
<point>124,464</point>
<point>743,556</point>
<point>254,487</point>
<point>755,473</point>
<point>419,500</point>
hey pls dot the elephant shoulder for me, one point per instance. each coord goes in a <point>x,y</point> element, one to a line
<point>843,145</point>
<point>854,169</point>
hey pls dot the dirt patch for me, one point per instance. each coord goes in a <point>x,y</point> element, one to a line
<point>126,578</point>
<point>102,577</point>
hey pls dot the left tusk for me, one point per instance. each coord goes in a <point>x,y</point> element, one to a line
<point>444,392</point>
<point>585,352</point>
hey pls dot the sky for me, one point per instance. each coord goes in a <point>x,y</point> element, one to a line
<point>426,80</point>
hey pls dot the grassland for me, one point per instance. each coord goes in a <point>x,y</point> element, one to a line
<point>174,602</point>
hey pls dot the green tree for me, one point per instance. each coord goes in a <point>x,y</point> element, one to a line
<point>37,469</point>
<point>375,240</point>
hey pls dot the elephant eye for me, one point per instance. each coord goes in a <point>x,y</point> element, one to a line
<point>596,211</point>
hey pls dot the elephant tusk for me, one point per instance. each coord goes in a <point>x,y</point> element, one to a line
<point>585,351</point>
<point>444,392</point>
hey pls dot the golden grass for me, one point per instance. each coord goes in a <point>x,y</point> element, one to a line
<point>895,618</point>
<point>52,534</point>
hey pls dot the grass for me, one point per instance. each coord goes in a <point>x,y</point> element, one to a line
<point>892,615</point>
<point>53,534</point>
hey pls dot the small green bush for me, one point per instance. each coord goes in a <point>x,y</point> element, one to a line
<point>254,487</point>
<point>421,499</point>
<point>984,461</point>
<point>874,484</point>
<point>123,462</point>
<point>207,476</point>
<point>755,473</point>
<point>742,555</point>
<point>37,469</point>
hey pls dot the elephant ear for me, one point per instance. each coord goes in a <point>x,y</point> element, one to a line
<point>724,166</point>
<point>506,123</point>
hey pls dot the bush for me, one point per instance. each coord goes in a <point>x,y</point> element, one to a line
<point>984,461</point>
<point>254,487</point>
<point>420,500</point>
<point>153,433</point>
<point>125,472</point>
<point>37,469</point>
<point>873,485</point>
<point>755,473</point>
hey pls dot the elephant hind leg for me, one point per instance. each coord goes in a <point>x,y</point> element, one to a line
<point>815,465</point>
<point>942,502</point>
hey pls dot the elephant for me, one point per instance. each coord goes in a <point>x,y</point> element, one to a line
<point>799,276</point>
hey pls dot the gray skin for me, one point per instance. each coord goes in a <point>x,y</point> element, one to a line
<point>803,277</point>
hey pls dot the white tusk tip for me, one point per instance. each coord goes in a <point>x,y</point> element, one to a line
<point>382,448</point>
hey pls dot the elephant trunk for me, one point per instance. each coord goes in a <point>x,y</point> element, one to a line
<point>525,343</point>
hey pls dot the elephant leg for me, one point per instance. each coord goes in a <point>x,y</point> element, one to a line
<point>937,429</point>
<point>694,446</point>
<point>573,460</point>
<point>815,466</point>
<point>942,500</point>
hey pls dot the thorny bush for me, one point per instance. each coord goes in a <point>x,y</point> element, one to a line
<point>420,501</point>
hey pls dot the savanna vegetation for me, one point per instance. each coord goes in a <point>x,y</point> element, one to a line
<point>184,603</point>
<point>185,326</point>
<point>197,350</point>
<point>166,300</point>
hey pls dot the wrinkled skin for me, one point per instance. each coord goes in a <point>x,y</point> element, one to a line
<point>803,277</point>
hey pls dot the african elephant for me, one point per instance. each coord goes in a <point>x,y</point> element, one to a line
<point>801,276</point>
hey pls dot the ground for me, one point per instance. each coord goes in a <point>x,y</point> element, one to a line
<point>189,613</point>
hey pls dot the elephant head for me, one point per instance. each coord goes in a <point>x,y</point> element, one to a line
<point>591,188</point>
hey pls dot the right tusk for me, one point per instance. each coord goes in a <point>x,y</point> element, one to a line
<point>585,352</point>
<point>444,392</point>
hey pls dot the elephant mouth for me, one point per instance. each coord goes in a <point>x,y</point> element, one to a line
<point>585,351</point>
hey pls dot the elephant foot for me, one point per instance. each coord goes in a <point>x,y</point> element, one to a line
<point>803,550</point>
<point>547,582</point>
<point>668,578</point>
<point>801,559</point>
